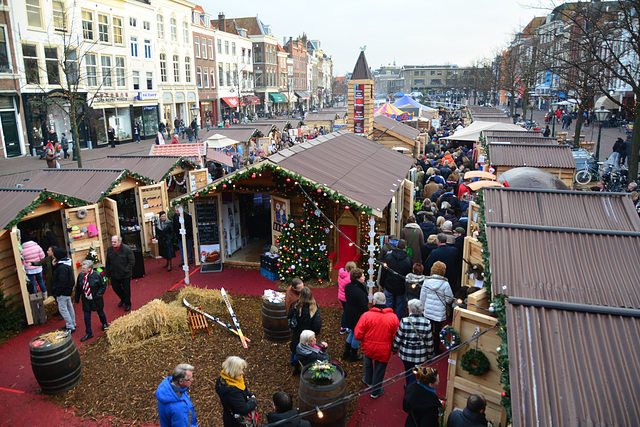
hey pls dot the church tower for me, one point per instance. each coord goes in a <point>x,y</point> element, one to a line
<point>360,104</point>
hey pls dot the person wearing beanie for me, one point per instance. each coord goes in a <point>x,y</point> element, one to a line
<point>62,284</point>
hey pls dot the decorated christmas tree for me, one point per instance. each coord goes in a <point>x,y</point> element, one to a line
<point>303,248</point>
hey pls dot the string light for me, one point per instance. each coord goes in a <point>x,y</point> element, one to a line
<point>319,412</point>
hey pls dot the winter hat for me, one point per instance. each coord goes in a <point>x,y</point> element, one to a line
<point>75,232</point>
<point>60,254</point>
<point>459,230</point>
<point>92,230</point>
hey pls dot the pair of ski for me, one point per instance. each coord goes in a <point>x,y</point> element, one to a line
<point>227,326</point>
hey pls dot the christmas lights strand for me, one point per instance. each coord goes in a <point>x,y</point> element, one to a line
<point>388,381</point>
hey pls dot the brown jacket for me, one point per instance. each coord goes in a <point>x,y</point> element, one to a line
<point>290,298</point>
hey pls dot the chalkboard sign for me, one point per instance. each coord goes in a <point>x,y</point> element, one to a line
<point>207,222</point>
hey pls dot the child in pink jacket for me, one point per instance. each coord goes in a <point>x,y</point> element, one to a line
<point>343,279</point>
<point>32,252</point>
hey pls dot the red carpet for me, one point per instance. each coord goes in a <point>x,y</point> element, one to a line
<point>19,389</point>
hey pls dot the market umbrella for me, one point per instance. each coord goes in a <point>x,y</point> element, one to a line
<point>388,110</point>
<point>475,186</point>
<point>479,174</point>
<point>527,177</point>
<point>220,141</point>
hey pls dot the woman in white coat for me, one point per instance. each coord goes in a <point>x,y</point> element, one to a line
<point>435,295</point>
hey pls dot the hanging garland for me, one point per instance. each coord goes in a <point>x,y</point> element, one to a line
<point>175,179</point>
<point>44,195</point>
<point>475,362</point>
<point>126,173</point>
<point>181,161</point>
<point>449,337</point>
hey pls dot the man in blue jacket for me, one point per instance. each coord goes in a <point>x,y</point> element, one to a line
<point>174,406</point>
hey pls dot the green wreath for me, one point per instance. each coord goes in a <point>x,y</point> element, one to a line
<point>449,337</point>
<point>475,362</point>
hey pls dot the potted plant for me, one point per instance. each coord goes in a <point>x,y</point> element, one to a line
<point>323,373</point>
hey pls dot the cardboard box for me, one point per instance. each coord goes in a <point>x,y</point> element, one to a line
<point>154,252</point>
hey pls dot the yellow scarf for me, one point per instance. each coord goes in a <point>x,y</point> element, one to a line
<point>235,382</point>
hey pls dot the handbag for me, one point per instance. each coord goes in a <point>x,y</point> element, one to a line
<point>293,320</point>
<point>249,420</point>
<point>418,333</point>
<point>409,250</point>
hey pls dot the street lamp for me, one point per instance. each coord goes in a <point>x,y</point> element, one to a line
<point>601,115</point>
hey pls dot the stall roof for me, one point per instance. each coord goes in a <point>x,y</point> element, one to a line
<point>91,185</point>
<point>570,368</point>
<point>396,126</point>
<point>242,134</point>
<point>523,138</point>
<point>521,132</point>
<point>14,200</point>
<point>356,167</point>
<point>190,151</point>
<point>321,117</point>
<point>263,128</point>
<point>156,168</point>
<point>532,155</point>
<point>472,132</point>
<point>566,260</point>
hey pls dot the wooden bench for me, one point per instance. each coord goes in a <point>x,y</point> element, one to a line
<point>197,321</point>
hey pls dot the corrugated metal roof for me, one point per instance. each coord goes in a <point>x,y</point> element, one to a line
<point>523,138</point>
<point>567,209</point>
<point>153,167</point>
<point>264,129</point>
<point>17,180</point>
<point>396,126</point>
<point>533,155</point>
<point>320,117</point>
<point>573,369</point>
<point>494,132</point>
<point>13,201</point>
<point>85,184</point>
<point>356,167</point>
<point>492,118</point>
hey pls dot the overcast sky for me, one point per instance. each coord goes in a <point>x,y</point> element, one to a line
<point>410,32</point>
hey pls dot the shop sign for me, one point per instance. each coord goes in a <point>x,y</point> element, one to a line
<point>143,96</point>
<point>111,97</point>
<point>358,109</point>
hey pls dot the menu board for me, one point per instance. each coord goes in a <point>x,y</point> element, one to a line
<point>358,109</point>
<point>207,221</point>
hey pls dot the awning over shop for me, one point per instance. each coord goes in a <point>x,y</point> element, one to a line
<point>277,97</point>
<point>219,141</point>
<point>605,102</point>
<point>231,101</point>
<point>250,100</point>
<point>303,94</point>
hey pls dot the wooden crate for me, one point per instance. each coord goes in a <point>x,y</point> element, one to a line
<point>461,384</point>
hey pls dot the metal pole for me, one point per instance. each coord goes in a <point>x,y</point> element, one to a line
<point>185,249</point>
<point>553,120</point>
<point>598,144</point>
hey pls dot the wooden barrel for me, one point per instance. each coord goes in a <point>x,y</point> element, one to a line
<point>56,365</point>
<point>274,322</point>
<point>311,395</point>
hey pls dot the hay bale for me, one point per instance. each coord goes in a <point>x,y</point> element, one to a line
<point>50,306</point>
<point>152,319</point>
<point>210,300</point>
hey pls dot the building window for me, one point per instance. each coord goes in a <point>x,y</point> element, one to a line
<point>213,78</point>
<point>117,30</point>
<point>147,49</point>
<point>220,46</point>
<point>163,67</point>
<point>87,25</point>
<point>31,69</point>
<point>34,13</point>
<point>160,27</point>
<point>149,80</point>
<point>146,25</point>
<point>243,54</point>
<point>133,22</point>
<point>233,48</point>
<point>249,55</point>
<point>185,32</point>
<point>105,63</point>
<point>174,29</point>
<point>187,69</point>
<point>134,47</point>
<point>72,75</point>
<point>5,66</point>
<point>103,28</point>
<point>51,61</point>
<point>92,69</point>
<point>228,74</point>
<point>121,77</point>
<point>136,80</point>
<point>197,43</point>
<point>199,76</point>
<point>433,73</point>
<point>226,47</point>
<point>176,69</point>
<point>210,48</point>
<point>59,15</point>
<point>235,74</point>
<point>206,80</point>
<point>204,48</point>
<point>221,74</point>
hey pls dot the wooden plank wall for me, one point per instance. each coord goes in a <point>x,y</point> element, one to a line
<point>471,254</point>
<point>368,104</point>
<point>8,277</point>
<point>461,384</point>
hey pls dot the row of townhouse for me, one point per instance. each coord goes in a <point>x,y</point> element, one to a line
<point>131,63</point>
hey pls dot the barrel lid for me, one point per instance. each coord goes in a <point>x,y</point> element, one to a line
<point>275,297</point>
<point>49,339</point>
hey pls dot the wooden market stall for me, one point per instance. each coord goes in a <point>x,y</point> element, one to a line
<point>555,159</point>
<point>394,134</point>
<point>322,119</point>
<point>23,210</point>
<point>238,216</point>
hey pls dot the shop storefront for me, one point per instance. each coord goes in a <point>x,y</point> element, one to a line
<point>230,108</point>
<point>279,101</point>
<point>181,106</point>
<point>167,108</point>
<point>208,113</point>
<point>111,109</point>
<point>11,127</point>
<point>144,112</point>
<point>192,106</point>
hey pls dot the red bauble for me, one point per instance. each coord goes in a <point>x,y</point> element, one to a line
<point>319,190</point>
<point>288,179</point>
<point>253,175</point>
<point>289,269</point>
<point>197,194</point>
<point>224,185</point>
<point>347,207</point>
<point>278,265</point>
<point>307,260</point>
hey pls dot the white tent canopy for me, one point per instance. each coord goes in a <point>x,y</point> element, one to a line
<point>219,141</point>
<point>472,132</point>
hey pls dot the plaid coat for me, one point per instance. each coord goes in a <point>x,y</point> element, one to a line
<point>412,348</point>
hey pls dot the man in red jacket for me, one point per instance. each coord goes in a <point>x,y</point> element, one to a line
<point>376,330</point>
